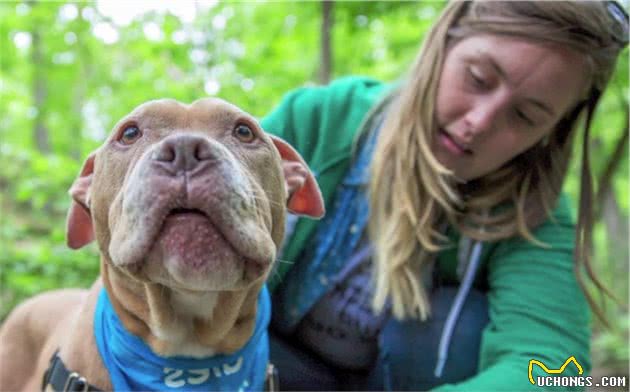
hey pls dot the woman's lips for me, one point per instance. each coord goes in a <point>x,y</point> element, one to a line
<point>451,145</point>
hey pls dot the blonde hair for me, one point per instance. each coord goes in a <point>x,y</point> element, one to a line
<point>411,192</point>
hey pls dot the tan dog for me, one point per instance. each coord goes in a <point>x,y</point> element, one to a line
<point>187,204</point>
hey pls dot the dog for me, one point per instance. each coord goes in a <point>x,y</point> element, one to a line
<point>187,205</point>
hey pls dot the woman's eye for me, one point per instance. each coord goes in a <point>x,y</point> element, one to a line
<point>244,133</point>
<point>524,117</point>
<point>477,79</point>
<point>130,134</point>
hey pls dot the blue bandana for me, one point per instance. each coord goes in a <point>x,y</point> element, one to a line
<point>133,366</point>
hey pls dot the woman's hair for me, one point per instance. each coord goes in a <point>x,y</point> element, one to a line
<point>411,192</point>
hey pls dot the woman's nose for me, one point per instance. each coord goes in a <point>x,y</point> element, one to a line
<point>482,117</point>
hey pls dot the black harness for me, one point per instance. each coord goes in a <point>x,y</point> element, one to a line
<point>63,380</point>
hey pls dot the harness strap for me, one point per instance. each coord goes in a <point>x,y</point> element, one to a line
<point>61,379</point>
<point>272,381</point>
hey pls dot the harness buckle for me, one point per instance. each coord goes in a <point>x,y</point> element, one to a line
<point>74,376</point>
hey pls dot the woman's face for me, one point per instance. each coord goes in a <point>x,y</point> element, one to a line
<point>498,96</point>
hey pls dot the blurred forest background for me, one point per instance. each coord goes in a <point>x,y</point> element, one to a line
<point>70,70</point>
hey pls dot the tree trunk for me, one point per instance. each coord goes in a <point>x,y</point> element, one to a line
<point>617,237</point>
<point>605,184</point>
<point>325,69</point>
<point>39,92</point>
<point>607,209</point>
<point>80,93</point>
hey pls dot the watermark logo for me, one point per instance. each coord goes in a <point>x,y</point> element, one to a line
<point>554,377</point>
<point>533,362</point>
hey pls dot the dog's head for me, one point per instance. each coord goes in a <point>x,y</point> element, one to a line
<point>188,197</point>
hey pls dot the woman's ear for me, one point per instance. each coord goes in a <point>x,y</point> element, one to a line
<point>305,197</point>
<point>79,229</point>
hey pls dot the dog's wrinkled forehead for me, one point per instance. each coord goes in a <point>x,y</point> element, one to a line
<point>212,114</point>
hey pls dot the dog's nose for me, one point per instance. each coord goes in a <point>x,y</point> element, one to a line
<point>184,152</point>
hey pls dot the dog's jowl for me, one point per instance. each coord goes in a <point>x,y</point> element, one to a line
<point>187,205</point>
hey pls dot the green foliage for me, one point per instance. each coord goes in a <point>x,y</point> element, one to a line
<point>69,69</point>
<point>94,71</point>
<point>610,347</point>
<point>34,203</point>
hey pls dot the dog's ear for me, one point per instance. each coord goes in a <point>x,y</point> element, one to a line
<point>305,198</point>
<point>79,229</point>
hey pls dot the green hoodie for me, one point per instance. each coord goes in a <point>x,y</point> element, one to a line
<point>536,308</point>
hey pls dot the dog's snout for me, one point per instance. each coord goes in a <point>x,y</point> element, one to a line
<point>184,152</point>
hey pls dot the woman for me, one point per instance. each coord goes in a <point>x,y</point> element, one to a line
<point>462,272</point>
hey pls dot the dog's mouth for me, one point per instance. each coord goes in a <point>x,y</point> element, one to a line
<point>183,216</point>
<point>194,253</point>
<point>190,235</point>
<point>184,211</point>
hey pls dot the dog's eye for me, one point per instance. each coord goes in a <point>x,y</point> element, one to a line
<point>130,134</point>
<point>244,133</point>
